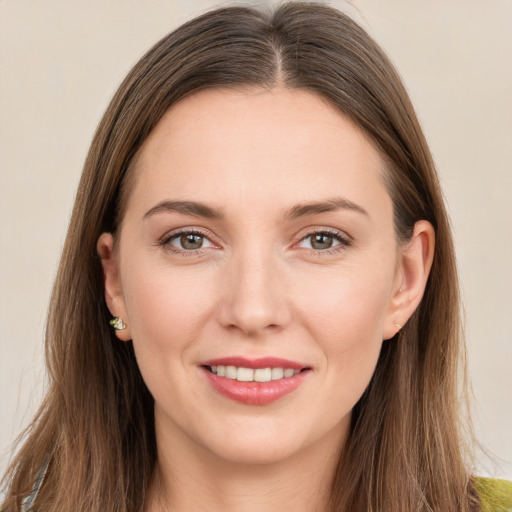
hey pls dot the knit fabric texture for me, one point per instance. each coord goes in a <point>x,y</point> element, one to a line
<point>495,495</point>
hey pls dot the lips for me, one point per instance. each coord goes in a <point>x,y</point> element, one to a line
<point>254,381</point>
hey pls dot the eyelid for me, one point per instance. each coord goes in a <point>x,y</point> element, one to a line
<point>343,238</point>
<point>165,240</point>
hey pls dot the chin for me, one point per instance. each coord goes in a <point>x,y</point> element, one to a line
<point>255,441</point>
<point>251,453</point>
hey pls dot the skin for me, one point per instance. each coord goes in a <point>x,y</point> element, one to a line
<point>260,285</point>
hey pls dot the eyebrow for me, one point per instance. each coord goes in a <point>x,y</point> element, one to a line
<point>197,209</point>
<point>187,208</point>
<point>329,205</point>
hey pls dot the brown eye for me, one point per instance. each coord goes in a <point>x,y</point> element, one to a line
<point>191,242</point>
<point>187,242</point>
<point>321,241</point>
<point>325,241</point>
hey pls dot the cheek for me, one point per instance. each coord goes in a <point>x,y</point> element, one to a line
<point>346,305</point>
<point>165,311</point>
<point>346,318</point>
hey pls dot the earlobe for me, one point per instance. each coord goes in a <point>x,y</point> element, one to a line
<point>415,262</point>
<point>113,290</point>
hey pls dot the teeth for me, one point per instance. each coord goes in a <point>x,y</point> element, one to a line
<point>262,375</point>
<point>277,373</point>
<point>231,372</point>
<point>245,374</point>
<point>250,375</point>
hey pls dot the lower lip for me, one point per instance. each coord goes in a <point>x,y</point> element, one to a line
<point>255,393</point>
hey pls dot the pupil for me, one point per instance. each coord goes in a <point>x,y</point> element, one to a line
<point>191,241</point>
<point>322,241</point>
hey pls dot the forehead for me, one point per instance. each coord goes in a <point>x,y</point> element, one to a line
<point>247,146</point>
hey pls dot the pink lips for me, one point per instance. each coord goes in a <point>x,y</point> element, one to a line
<point>255,393</point>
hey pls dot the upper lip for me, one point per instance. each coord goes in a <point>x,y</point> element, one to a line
<point>259,362</point>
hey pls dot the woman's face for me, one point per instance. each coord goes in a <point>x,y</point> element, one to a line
<point>257,242</point>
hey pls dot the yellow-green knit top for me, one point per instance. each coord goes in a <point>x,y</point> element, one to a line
<point>495,495</point>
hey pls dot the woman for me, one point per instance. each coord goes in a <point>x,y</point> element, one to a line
<point>257,305</point>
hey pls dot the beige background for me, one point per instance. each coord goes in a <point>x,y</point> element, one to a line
<point>61,61</point>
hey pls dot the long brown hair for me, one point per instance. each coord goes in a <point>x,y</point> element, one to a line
<point>95,427</point>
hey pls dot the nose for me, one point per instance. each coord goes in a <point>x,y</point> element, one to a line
<point>254,299</point>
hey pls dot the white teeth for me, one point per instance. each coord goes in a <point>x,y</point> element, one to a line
<point>231,372</point>
<point>245,374</point>
<point>250,375</point>
<point>262,375</point>
<point>277,373</point>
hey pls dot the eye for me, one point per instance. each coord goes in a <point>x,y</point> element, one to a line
<point>188,241</point>
<point>324,241</point>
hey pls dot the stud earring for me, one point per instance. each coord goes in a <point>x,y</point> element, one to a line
<point>399,327</point>
<point>117,323</point>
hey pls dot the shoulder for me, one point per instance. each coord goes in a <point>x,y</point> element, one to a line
<point>495,495</point>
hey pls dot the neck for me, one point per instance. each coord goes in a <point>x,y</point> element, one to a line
<point>196,479</point>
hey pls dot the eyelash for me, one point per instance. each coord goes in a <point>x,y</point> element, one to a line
<point>344,242</point>
<point>165,242</point>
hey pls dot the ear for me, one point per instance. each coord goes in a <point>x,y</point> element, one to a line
<point>113,290</point>
<point>414,264</point>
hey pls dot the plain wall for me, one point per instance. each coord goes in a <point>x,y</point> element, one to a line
<point>60,63</point>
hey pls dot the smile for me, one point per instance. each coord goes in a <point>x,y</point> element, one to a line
<point>254,382</point>
<point>243,374</point>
